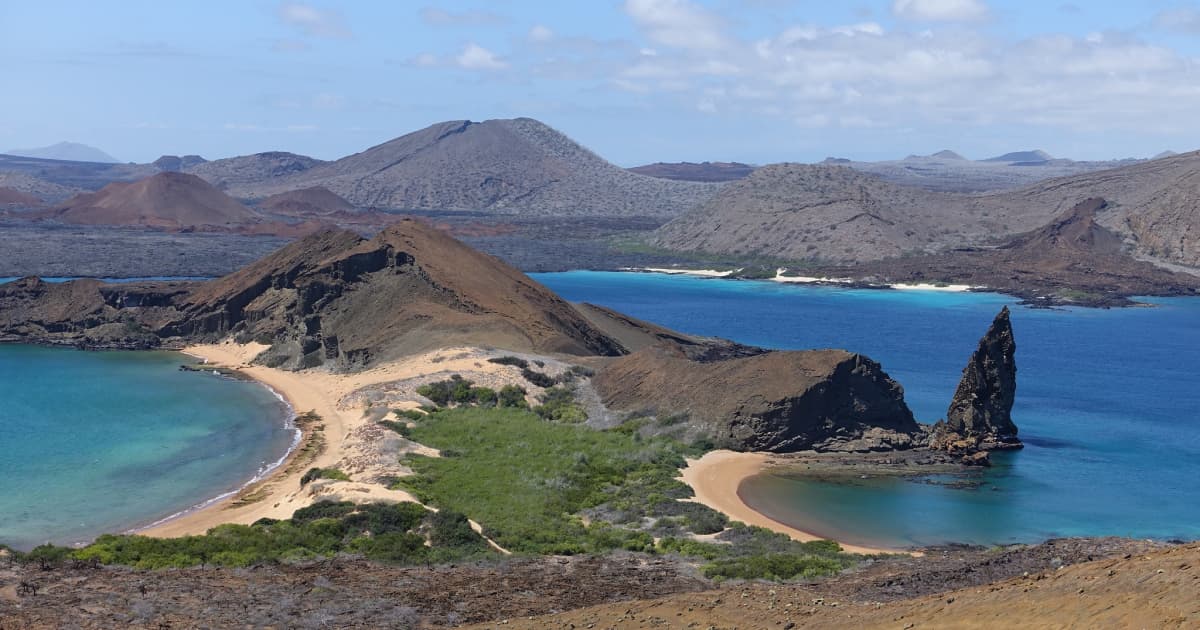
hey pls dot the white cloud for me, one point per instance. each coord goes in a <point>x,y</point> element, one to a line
<point>864,76</point>
<point>940,10</point>
<point>540,34</point>
<point>314,22</point>
<point>678,23</point>
<point>476,57</point>
<point>440,17</point>
<point>1183,20</point>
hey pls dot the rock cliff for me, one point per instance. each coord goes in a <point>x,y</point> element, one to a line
<point>980,414</point>
<point>771,401</point>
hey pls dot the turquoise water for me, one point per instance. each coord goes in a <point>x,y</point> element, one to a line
<point>1108,405</point>
<point>94,442</point>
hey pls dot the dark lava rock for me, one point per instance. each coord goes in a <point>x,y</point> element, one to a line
<point>980,414</point>
<point>827,400</point>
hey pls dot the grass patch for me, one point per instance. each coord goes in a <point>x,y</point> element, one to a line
<point>403,533</point>
<point>314,474</point>
<point>527,480</point>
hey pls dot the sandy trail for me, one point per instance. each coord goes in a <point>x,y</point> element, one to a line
<point>280,494</point>
<point>716,477</point>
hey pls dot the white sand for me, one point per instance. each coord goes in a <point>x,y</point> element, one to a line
<point>321,392</point>
<point>925,286</point>
<point>716,477</point>
<point>701,273</point>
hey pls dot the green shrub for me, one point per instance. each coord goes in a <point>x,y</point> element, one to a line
<point>777,567</point>
<point>484,396</point>
<point>398,427</point>
<point>410,414</point>
<point>511,396</point>
<point>558,405</point>
<point>510,360</point>
<point>538,378</point>
<point>323,473</point>
<point>380,531</point>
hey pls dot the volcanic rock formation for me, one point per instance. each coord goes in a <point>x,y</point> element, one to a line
<point>517,166</point>
<point>980,415</point>
<point>167,200</point>
<point>828,400</point>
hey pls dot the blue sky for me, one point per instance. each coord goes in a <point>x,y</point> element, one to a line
<point>635,80</point>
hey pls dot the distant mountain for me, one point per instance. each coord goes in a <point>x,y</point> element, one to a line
<point>827,212</point>
<point>72,151</point>
<point>242,173</point>
<point>834,213</point>
<point>695,172</point>
<point>951,172</point>
<point>176,163</point>
<point>13,197</point>
<point>517,166</point>
<point>1036,155</point>
<point>167,200</point>
<point>306,202</point>
<point>1165,154</point>
<point>947,154</point>
<point>38,188</point>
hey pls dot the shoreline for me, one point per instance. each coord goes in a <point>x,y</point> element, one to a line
<point>716,477</point>
<point>335,441</point>
<point>289,422</point>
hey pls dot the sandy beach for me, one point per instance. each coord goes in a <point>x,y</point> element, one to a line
<point>926,286</point>
<point>699,273</point>
<point>347,434</point>
<point>715,479</point>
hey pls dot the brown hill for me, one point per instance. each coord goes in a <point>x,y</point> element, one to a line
<point>167,200</point>
<point>306,202</point>
<point>517,166</point>
<point>339,298</point>
<point>1073,258</point>
<point>1145,590</point>
<point>12,197</point>
<point>696,172</point>
<point>832,213</point>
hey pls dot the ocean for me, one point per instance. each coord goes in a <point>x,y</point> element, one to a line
<point>1108,405</point>
<point>95,442</point>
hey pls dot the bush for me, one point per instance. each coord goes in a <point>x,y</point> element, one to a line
<point>380,531</point>
<point>323,473</point>
<point>410,414</point>
<point>511,396</point>
<point>777,567</point>
<point>538,378</point>
<point>558,405</point>
<point>398,427</point>
<point>510,360</point>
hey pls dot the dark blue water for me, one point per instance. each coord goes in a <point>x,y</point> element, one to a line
<point>94,442</point>
<point>1108,404</point>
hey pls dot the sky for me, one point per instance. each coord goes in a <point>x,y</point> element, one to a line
<point>636,81</point>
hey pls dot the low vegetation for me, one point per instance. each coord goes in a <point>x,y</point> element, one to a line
<point>403,533</point>
<point>314,474</point>
<point>556,487</point>
<point>458,391</point>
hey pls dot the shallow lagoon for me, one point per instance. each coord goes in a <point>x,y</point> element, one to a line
<point>94,442</point>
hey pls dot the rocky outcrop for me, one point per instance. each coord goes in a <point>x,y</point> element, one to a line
<point>980,415</point>
<point>772,401</point>
<point>332,298</point>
